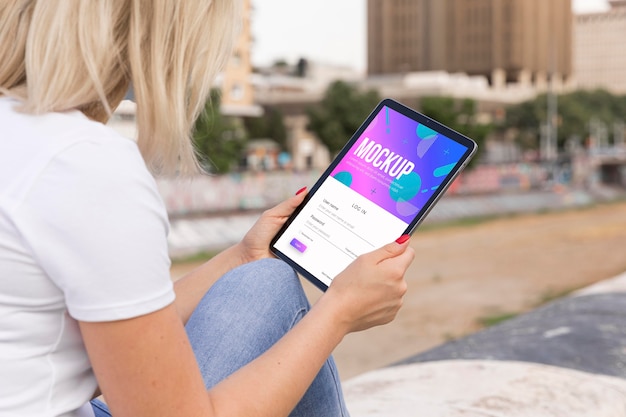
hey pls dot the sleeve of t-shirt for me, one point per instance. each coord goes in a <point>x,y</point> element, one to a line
<point>98,228</point>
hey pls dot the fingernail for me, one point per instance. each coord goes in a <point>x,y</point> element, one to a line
<point>300,190</point>
<point>402,239</point>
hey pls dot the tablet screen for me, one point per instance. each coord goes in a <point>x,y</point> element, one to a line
<point>377,189</point>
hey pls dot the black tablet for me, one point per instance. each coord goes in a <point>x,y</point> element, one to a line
<point>381,185</point>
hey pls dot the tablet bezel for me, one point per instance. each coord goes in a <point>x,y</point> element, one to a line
<point>421,214</point>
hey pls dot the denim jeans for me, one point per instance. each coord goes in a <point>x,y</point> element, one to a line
<point>243,314</point>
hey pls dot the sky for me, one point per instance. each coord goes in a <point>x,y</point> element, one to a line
<point>329,31</point>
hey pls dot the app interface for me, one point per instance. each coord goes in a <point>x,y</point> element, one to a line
<point>372,195</point>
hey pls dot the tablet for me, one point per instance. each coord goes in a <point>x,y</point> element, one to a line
<point>381,185</point>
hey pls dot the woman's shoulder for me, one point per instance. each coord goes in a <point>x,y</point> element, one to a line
<point>55,131</point>
<point>66,143</point>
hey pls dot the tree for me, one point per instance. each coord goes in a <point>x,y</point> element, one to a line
<point>575,110</point>
<point>459,115</point>
<point>270,126</point>
<point>340,113</point>
<point>219,140</point>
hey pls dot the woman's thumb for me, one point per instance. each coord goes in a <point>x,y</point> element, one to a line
<point>393,249</point>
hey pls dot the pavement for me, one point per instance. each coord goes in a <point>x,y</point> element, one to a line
<point>567,358</point>
<point>462,388</point>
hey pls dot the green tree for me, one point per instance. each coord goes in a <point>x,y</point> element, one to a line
<point>218,139</point>
<point>459,115</point>
<point>340,113</point>
<point>270,125</point>
<point>575,110</point>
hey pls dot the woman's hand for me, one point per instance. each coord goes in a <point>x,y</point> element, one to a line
<point>255,244</point>
<point>369,291</point>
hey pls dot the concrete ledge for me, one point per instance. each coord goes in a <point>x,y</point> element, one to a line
<point>587,333</point>
<point>613,285</point>
<point>484,389</point>
<point>567,358</point>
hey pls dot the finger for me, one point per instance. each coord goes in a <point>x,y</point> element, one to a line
<point>391,250</point>
<point>285,208</point>
<point>406,258</point>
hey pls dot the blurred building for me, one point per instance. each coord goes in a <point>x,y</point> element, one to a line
<point>235,82</point>
<point>236,79</point>
<point>292,89</point>
<point>599,42</point>
<point>506,41</point>
<point>124,119</point>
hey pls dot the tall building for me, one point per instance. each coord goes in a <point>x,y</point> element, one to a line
<point>599,58</point>
<point>504,40</point>
<point>236,79</point>
<point>235,83</point>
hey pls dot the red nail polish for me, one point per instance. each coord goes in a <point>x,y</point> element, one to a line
<point>300,190</point>
<point>402,239</point>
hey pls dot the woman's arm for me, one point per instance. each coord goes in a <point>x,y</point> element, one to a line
<point>255,245</point>
<point>145,365</point>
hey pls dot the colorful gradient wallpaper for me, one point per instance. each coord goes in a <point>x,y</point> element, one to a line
<point>398,163</point>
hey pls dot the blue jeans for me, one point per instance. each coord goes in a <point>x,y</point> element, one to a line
<point>243,314</point>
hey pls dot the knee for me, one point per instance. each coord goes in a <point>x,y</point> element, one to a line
<point>276,276</point>
<point>268,276</point>
<point>271,274</point>
<point>243,314</point>
<point>268,286</point>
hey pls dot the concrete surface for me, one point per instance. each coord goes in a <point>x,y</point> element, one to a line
<point>567,359</point>
<point>587,333</point>
<point>613,285</point>
<point>484,389</point>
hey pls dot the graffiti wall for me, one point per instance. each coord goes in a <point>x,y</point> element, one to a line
<point>260,190</point>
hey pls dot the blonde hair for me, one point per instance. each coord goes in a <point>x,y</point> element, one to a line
<point>83,54</point>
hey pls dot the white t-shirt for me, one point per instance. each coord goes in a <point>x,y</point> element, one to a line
<point>83,236</point>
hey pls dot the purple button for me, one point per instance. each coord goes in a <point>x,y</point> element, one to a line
<point>298,245</point>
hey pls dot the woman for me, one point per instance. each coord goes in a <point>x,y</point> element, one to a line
<point>86,301</point>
